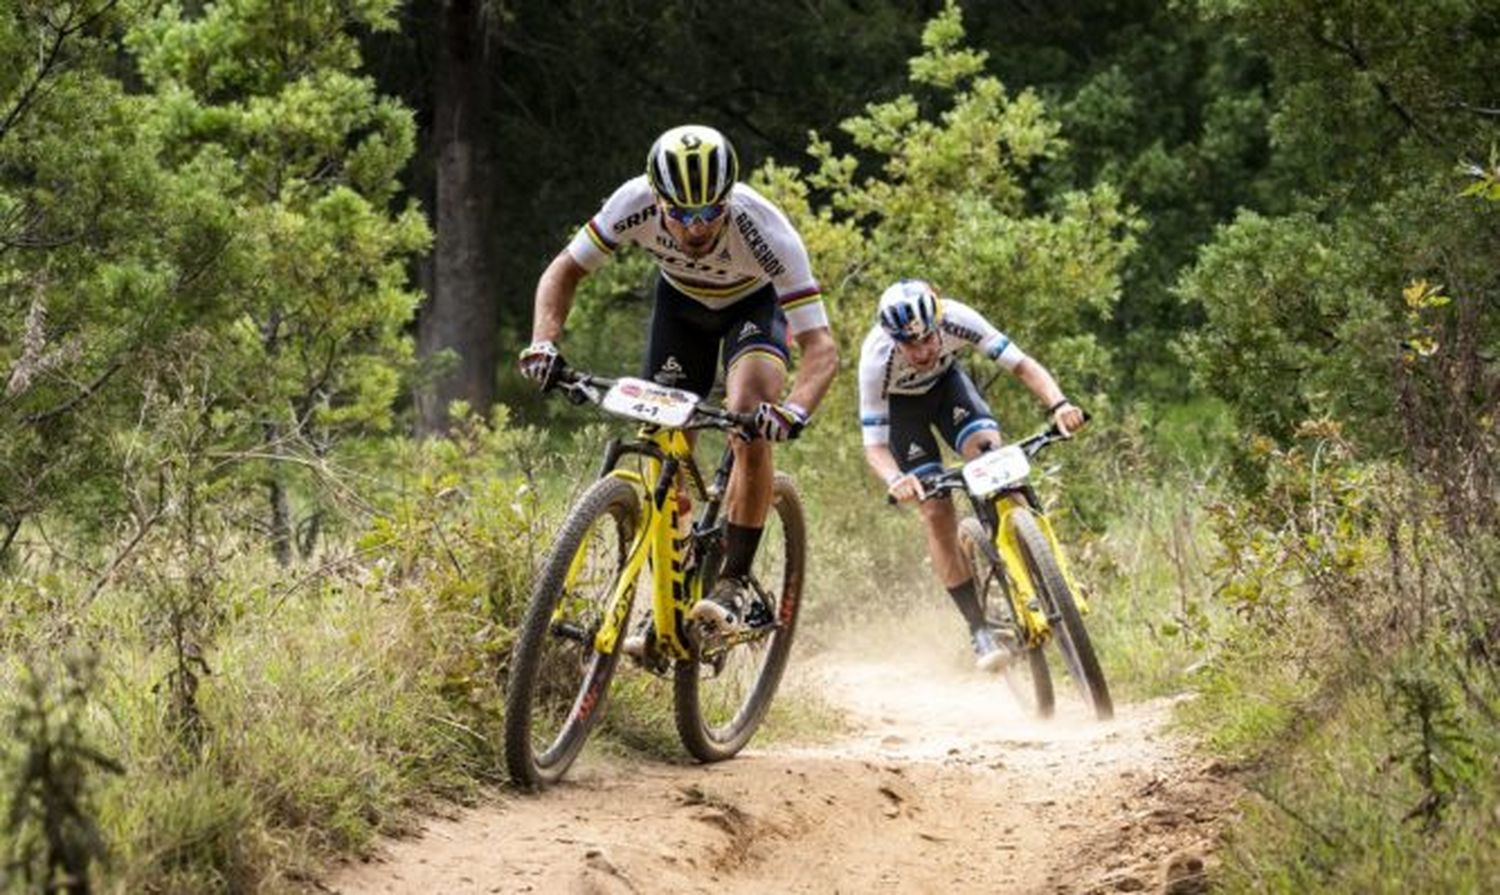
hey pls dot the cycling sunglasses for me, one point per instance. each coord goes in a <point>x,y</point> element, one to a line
<point>705,213</point>
<point>906,338</point>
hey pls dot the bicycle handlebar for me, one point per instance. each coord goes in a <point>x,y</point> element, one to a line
<point>578,386</point>
<point>952,478</point>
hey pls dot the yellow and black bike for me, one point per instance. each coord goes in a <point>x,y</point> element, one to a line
<point>1022,576</point>
<point>628,533</point>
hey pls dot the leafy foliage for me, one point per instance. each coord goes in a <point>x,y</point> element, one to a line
<point>1259,233</point>
<point>950,204</point>
<point>54,836</point>
<point>232,203</point>
<point>1169,109</point>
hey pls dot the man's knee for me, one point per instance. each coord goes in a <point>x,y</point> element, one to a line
<point>751,381</point>
<point>937,510</point>
<point>755,452</point>
<point>980,442</point>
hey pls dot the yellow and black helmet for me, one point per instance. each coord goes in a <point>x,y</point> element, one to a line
<point>692,165</point>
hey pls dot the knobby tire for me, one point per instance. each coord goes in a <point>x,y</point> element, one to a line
<point>545,659</point>
<point>1062,614</point>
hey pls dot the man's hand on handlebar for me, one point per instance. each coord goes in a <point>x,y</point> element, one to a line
<point>780,422</point>
<point>1068,417</point>
<point>905,487</point>
<point>540,362</point>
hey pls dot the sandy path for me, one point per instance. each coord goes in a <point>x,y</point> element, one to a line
<point>942,787</point>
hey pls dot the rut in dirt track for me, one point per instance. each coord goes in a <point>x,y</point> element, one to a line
<point>943,787</point>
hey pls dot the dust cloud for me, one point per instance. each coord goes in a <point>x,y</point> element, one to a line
<point>940,784</point>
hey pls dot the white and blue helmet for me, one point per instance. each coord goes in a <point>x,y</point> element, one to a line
<point>909,310</point>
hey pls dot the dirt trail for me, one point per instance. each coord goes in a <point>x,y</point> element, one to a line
<point>943,786</point>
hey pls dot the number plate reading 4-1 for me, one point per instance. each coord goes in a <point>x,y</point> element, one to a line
<point>644,400</point>
<point>990,472</point>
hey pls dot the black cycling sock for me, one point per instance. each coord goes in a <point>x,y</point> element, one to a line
<point>968,604</point>
<point>740,543</point>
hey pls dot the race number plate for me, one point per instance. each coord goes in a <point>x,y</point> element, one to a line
<point>992,471</point>
<point>644,400</point>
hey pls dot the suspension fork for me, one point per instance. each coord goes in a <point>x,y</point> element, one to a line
<point>654,541</point>
<point>1022,589</point>
<point>617,610</point>
<point>1044,522</point>
<point>1045,525</point>
<point>672,593</point>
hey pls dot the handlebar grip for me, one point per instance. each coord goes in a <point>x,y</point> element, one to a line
<point>560,375</point>
<point>930,490</point>
<point>1054,432</point>
<point>742,424</point>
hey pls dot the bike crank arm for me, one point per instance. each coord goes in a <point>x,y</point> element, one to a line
<point>712,649</point>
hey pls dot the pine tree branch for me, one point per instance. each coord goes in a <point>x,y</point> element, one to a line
<point>1294,815</point>
<point>10,537</point>
<point>1477,110</point>
<point>1350,50</point>
<point>36,419</point>
<point>51,59</point>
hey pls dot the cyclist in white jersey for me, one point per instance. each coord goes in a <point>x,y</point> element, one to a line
<point>734,281</point>
<point>909,383</point>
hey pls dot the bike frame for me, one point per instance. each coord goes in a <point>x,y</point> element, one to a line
<point>1003,506</point>
<point>673,591</point>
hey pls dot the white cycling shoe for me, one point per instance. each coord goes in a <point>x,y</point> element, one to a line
<point>721,611</point>
<point>989,655</point>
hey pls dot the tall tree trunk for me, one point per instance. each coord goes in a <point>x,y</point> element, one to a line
<point>275,436</point>
<point>462,313</point>
<point>12,528</point>
<point>281,515</point>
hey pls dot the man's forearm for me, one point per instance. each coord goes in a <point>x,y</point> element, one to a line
<point>554,297</point>
<point>882,462</point>
<point>815,369</point>
<point>1039,381</point>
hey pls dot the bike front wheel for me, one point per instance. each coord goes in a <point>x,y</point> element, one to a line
<point>558,680</point>
<point>722,695</point>
<point>1062,614</point>
<point>1027,676</point>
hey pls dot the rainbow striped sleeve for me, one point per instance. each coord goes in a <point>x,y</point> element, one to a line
<point>800,297</point>
<point>590,247</point>
<point>804,309</point>
<point>596,235</point>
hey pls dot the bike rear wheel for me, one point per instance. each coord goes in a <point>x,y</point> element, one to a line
<point>558,680</point>
<point>1062,614</point>
<point>1028,679</point>
<point>722,696</point>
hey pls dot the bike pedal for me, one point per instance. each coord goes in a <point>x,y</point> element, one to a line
<point>759,616</point>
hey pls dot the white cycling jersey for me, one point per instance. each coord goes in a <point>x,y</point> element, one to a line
<point>884,371</point>
<point>757,245</point>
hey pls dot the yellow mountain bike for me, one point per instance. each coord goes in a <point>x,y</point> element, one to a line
<point>1021,575</point>
<point>624,534</point>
